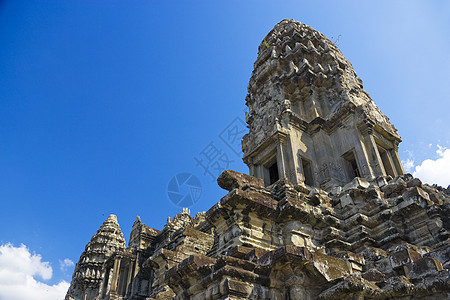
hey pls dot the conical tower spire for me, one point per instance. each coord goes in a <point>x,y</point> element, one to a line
<point>88,275</point>
<point>310,119</point>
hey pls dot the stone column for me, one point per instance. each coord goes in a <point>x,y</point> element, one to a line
<point>251,169</point>
<point>375,164</point>
<point>136,271</point>
<point>364,157</point>
<point>130,272</point>
<point>105,283</point>
<point>292,160</point>
<point>397,161</point>
<point>281,160</point>
<point>324,156</point>
<point>251,166</point>
<point>115,275</point>
<point>391,162</point>
<point>259,171</point>
<point>110,276</point>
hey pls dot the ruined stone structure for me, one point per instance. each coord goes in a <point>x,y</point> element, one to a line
<point>326,212</point>
<point>310,119</point>
<point>88,272</point>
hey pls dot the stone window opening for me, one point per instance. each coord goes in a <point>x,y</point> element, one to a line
<point>352,165</point>
<point>273,173</point>
<point>386,161</point>
<point>268,170</point>
<point>122,283</point>
<point>307,171</point>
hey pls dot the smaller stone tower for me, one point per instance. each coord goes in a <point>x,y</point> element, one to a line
<point>88,274</point>
<point>310,119</point>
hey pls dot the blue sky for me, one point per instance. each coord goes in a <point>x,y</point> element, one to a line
<point>103,102</point>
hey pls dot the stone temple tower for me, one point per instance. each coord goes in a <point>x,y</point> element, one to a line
<point>310,119</point>
<point>89,271</point>
<point>305,229</point>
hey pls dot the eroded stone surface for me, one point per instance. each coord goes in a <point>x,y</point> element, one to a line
<point>276,243</point>
<point>89,273</point>
<point>310,119</point>
<point>380,235</point>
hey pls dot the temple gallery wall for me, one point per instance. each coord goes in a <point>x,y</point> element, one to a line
<point>326,211</point>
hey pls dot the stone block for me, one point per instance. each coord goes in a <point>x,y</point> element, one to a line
<point>239,251</point>
<point>336,190</point>
<point>346,200</point>
<point>422,267</point>
<point>348,255</point>
<point>381,181</point>
<point>414,182</point>
<point>236,287</point>
<point>417,194</point>
<point>230,180</point>
<point>302,188</point>
<point>330,267</point>
<point>394,188</point>
<point>255,254</point>
<point>402,256</point>
<point>356,183</point>
<point>434,194</point>
<point>374,275</point>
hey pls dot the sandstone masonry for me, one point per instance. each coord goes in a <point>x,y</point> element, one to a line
<point>326,212</point>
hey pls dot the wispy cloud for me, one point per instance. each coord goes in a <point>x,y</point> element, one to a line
<point>19,270</point>
<point>65,264</point>
<point>408,164</point>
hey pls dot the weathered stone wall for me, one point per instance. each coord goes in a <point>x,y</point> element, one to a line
<point>381,239</point>
<point>387,238</point>
<point>336,219</point>
<point>307,104</point>
<point>299,64</point>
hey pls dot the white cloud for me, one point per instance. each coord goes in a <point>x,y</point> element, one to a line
<point>18,272</point>
<point>440,150</point>
<point>65,264</point>
<point>435,171</point>
<point>408,165</point>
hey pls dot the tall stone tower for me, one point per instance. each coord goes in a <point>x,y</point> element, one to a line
<point>89,271</point>
<point>305,229</point>
<point>310,119</point>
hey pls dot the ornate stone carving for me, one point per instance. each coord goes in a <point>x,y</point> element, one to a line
<point>303,83</point>
<point>341,237</point>
<point>88,273</point>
